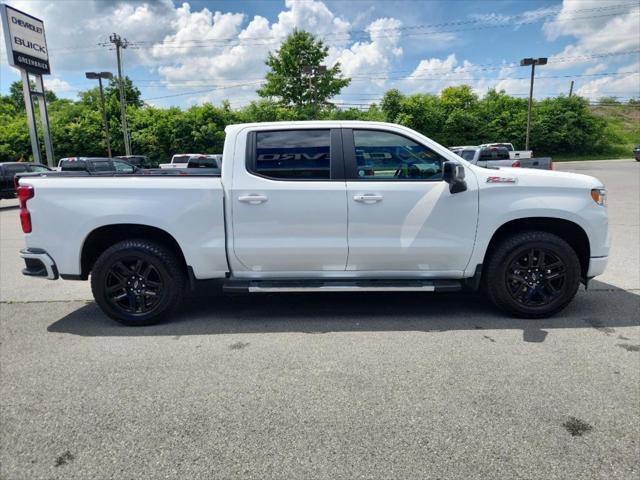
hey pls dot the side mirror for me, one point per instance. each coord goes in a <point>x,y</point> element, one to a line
<point>453,174</point>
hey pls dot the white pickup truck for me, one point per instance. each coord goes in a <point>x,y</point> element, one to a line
<point>323,206</point>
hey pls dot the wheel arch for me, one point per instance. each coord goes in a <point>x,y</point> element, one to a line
<point>105,236</point>
<point>569,231</point>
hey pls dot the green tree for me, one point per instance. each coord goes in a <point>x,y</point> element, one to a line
<point>17,98</point>
<point>392,104</point>
<point>295,76</point>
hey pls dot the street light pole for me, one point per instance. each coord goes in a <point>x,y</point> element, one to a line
<point>533,62</point>
<point>100,76</point>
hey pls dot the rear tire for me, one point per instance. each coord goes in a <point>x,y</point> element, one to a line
<point>532,274</point>
<point>137,282</point>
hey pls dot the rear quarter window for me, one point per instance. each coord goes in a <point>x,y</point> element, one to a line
<point>293,155</point>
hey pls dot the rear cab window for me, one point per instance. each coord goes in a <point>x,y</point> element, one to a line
<point>493,153</point>
<point>73,165</point>
<point>303,154</point>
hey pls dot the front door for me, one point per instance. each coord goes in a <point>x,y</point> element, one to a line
<point>289,212</point>
<point>403,220</point>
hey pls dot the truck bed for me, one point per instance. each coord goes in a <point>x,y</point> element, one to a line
<point>188,207</point>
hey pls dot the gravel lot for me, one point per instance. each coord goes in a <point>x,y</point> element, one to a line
<point>337,386</point>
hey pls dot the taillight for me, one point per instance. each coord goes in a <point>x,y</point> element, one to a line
<point>25,192</point>
<point>516,164</point>
<point>551,167</point>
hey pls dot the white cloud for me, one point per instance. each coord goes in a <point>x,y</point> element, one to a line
<point>594,32</point>
<point>622,86</point>
<point>57,85</point>
<point>376,56</point>
<point>235,68</point>
<point>434,74</point>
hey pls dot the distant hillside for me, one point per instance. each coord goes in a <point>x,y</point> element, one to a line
<point>623,125</point>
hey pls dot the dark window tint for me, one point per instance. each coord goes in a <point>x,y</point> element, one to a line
<point>13,169</point>
<point>508,146</point>
<point>122,167</point>
<point>73,165</point>
<point>105,166</point>
<point>494,153</point>
<point>180,159</point>
<point>294,154</point>
<point>384,155</point>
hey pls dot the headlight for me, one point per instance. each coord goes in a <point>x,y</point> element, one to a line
<point>599,196</point>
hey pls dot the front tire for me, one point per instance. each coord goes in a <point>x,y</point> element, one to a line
<point>532,274</point>
<point>137,282</point>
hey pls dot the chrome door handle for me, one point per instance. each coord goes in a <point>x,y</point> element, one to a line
<point>368,198</point>
<point>253,199</point>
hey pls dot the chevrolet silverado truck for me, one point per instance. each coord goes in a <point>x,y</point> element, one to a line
<point>320,206</point>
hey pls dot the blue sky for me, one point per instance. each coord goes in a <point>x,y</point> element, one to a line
<point>188,53</point>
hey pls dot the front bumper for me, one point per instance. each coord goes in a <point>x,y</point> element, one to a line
<point>38,263</point>
<point>597,266</point>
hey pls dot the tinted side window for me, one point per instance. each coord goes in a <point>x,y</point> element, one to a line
<point>13,169</point>
<point>389,156</point>
<point>39,168</point>
<point>105,166</point>
<point>294,154</point>
<point>122,167</point>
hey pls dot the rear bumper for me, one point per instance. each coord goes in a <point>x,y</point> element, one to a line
<point>597,266</point>
<point>38,263</point>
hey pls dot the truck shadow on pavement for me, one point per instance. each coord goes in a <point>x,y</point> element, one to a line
<point>603,307</point>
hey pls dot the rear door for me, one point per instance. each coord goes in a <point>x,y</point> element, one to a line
<point>403,221</point>
<point>289,212</point>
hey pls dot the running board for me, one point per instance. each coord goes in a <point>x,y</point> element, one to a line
<point>290,286</point>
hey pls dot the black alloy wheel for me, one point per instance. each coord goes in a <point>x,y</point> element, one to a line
<point>138,282</point>
<point>134,285</point>
<point>532,274</point>
<point>535,277</point>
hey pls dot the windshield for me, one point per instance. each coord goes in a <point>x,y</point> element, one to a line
<point>467,155</point>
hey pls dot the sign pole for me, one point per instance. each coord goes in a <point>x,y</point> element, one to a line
<point>44,117</point>
<point>31,118</point>
<point>26,46</point>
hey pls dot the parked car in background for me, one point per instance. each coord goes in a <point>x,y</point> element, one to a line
<point>320,206</point>
<point>139,161</point>
<point>491,157</point>
<point>636,153</point>
<point>8,172</point>
<point>95,165</point>
<point>180,160</point>
<point>513,153</point>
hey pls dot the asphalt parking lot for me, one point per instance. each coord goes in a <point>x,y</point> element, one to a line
<point>332,386</point>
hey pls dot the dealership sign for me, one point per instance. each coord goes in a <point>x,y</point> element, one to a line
<point>25,40</point>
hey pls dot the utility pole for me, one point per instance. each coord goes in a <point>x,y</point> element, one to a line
<point>571,89</point>
<point>100,76</point>
<point>533,62</point>
<point>121,44</point>
<point>311,72</point>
